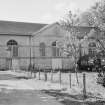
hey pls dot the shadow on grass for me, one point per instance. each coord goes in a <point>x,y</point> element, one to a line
<point>22,77</point>
<point>68,99</point>
<point>12,77</point>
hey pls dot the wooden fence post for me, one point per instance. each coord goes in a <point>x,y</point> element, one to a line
<point>31,70</point>
<point>39,73</point>
<point>84,86</point>
<point>60,76</point>
<point>52,75</point>
<point>70,79</point>
<point>34,71</point>
<point>45,73</point>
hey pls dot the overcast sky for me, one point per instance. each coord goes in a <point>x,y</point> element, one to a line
<point>40,11</point>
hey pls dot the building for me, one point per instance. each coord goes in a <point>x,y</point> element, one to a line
<point>50,39</point>
<point>15,39</point>
<point>48,50</point>
<point>41,45</point>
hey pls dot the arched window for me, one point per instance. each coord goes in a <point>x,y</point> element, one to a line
<point>42,49</point>
<point>12,46</point>
<point>92,48</point>
<point>55,49</point>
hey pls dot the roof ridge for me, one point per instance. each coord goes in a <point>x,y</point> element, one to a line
<point>44,28</point>
<point>21,22</point>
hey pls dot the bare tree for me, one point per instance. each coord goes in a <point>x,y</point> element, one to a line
<point>94,17</point>
<point>98,15</point>
<point>72,42</point>
<point>69,20</point>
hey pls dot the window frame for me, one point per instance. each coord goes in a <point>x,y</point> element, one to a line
<point>13,47</point>
<point>42,49</point>
<point>55,49</point>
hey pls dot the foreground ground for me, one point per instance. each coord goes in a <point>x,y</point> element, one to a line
<point>25,97</point>
<point>19,89</point>
<point>21,96</point>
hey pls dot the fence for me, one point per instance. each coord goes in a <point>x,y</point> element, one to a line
<point>20,57</point>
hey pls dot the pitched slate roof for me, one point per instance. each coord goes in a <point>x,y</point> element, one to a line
<point>44,28</point>
<point>19,28</point>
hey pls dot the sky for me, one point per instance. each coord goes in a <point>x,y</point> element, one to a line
<point>40,11</point>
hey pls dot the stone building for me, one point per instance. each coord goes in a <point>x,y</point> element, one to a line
<point>50,52</point>
<point>22,44</point>
<point>15,39</point>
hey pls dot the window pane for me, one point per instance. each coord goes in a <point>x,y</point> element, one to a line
<point>12,46</point>
<point>42,49</point>
<point>15,51</point>
<point>58,54</point>
<point>54,51</point>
